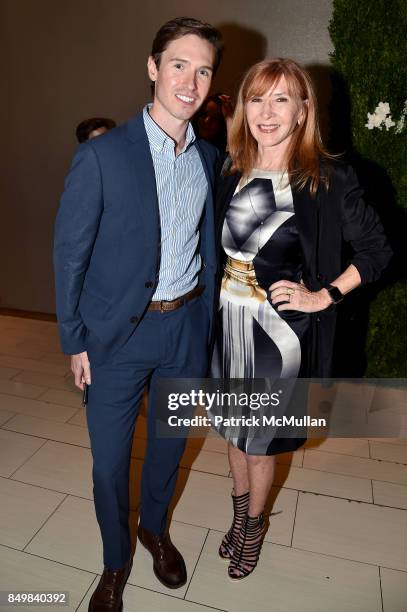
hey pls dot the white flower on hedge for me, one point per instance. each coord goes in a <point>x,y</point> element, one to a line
<point>381,117</point>
<point>400,125</point>
<point>374,120</point>
<point>388,122</point>
<point>400,122</point>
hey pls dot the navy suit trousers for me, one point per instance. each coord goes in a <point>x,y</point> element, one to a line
<point>170,344</point>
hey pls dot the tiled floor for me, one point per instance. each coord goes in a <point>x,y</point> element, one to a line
<point>338,526</point>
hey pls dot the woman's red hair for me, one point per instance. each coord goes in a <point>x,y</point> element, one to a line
<point>306,149</point>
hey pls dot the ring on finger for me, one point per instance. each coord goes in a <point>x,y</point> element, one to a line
<point>290,291</point>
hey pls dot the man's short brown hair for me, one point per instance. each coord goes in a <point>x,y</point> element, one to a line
<point>181,26</point>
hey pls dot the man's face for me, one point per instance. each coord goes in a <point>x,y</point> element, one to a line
<point>183,79</point>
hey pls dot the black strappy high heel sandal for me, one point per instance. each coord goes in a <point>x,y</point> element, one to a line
<point>229,542</point>
<point>247,551</point>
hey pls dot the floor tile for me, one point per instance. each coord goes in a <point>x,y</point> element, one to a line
<point>65,383</point>
<point>345,446</point>
<point>71,536</point>
<point>7,373</point>
<point>60,467</point>
<point>56,357</point>
<point>43,342</point>
<point>398,441</point>
<point>79,418</point>
<point>212,442</point>
<point>49,430</point>
<point>324,483</point>
<point>351,530</point>
<point>205,461</point>
<point>139,447</point>
<point>12,387</point>
<point>141,427</point>
<point>287,580</point>
<point>204,500</point>
<point>391,396</point>
<point>17,526</point>
<point>355,466</point>
<point>193,458</point>
<point>33,365</point>
<point>143,600</point>
<point>23,572</point>
<point>388,452</point>
<point>5,415</point>
<point>394,590</point>
<point>63,398</point>
<point>14,349</point>
<point>37,408</point>
<point>294,459</point>
<point>15,449</point>
<point>389,494</point>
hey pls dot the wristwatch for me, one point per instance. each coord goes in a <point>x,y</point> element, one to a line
<point>336,294</point>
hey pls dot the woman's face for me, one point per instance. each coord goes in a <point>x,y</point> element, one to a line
<point>273,117</point>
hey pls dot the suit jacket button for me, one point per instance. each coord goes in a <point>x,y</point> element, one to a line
<point>149,284</point>
<point>133,320</point>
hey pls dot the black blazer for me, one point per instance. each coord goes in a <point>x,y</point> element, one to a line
<point>325,224</point>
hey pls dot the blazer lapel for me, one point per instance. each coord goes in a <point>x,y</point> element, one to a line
<point>207,225</point>
<point>307,216</point>
<point>143,169</point>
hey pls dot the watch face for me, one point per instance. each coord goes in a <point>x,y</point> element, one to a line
<point>335,294</point>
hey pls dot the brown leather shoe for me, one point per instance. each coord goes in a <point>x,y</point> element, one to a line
<point>169,566</point>
<point>108,594</point>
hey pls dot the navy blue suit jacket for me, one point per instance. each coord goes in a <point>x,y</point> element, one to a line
<point>107,238</point>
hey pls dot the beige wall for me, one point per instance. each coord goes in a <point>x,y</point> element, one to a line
<point>65,61</point>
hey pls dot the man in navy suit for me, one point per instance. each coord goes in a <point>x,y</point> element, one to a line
<point>135,268</point>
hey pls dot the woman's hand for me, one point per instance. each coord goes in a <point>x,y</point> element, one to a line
<point>298,297</point>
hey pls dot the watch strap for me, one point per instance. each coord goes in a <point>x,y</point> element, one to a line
<point>335,294</point>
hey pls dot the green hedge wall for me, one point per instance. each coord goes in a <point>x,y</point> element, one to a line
<point>370,57</point>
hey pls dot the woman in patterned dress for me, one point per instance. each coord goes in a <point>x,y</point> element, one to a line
<point>285,208</point>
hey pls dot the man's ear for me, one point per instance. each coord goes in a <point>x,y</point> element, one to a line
<point>152,68</point>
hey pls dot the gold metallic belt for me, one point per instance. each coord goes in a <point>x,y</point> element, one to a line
<point>242,271</point>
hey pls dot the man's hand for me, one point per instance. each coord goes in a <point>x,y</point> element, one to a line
<point>80,367</point>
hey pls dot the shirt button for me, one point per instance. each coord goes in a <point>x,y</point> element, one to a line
<point>149,284</point>
<point>133,320</point>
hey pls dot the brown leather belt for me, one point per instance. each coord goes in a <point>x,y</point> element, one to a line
<point>168,305</point>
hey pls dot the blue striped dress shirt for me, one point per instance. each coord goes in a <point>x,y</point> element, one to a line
<point>181,189</point>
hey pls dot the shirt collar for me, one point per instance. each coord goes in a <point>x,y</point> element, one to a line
<point>158,139</point>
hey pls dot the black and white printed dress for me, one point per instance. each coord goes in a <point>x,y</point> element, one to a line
<point>261,242</point>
